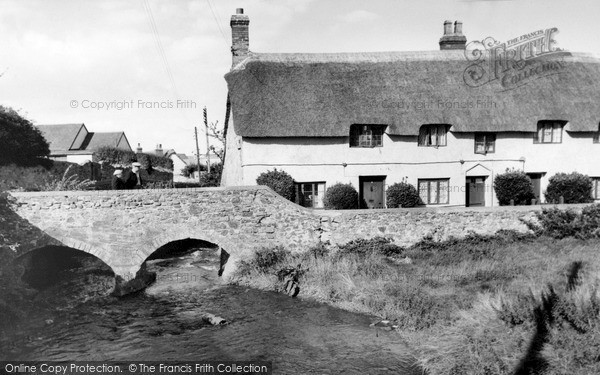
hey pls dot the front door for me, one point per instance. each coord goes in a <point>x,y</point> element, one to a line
<point>371,191</point>
<point>475,191</point>
<point>536,181</point>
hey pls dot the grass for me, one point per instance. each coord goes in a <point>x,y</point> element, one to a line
<point>503,304</point>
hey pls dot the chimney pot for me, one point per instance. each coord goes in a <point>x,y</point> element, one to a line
<point>458,28</point>
<point>239,11</point>
<point>447,27</point>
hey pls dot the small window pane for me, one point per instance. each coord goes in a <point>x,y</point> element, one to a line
<point>444,186</point>
<point>423,191</point>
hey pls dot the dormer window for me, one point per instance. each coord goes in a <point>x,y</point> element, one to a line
<point>433,135</point>
<point>366,135</point>
<point>549,132</point>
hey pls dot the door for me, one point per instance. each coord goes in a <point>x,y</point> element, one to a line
<point>371,191</point>
<point>536,181</point>
<point>475,191</point>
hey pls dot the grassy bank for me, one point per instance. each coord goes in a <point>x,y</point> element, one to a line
<point>479,305</point>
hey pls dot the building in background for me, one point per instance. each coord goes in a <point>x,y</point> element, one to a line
<point>74,143</point>
<point>374,119</point>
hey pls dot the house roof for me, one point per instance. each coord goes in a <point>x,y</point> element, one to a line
<point>321,95</point>
<point>64,137</point>
<point>104,139</point>
<point>75,139</point>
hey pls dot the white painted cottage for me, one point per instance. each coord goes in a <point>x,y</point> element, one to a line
<point>444,121</point>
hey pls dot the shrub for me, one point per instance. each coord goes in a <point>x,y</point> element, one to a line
<point>402,195</point>
<point>590,221</point>
<point>380,245</point>
<point>68,182</point>
<point>515,185</point>
<point>574,188</point>
<point>341,197</point>
<point>559,223</point>
<point>20,142</point>
<point>281,182</point>
<point>118,156</point>
<point>266,260</point>
<point>190,169</point>
<point>214,177</point>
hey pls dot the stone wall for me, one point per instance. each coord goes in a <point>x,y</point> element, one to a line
<point>124,227</point>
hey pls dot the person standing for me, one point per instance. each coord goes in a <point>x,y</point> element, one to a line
<point>117,180</point>
<point>132,178</point>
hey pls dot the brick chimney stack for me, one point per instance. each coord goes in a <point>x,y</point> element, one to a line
<point>158,151</point>
<point>453,40</point>
<point>240,40</point>
<point>138,150</point>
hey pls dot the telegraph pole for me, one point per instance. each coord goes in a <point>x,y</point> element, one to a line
<point>197,154</point>
<point>207,147</point>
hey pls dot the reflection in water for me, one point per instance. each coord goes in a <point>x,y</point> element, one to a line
<point>166,322</point>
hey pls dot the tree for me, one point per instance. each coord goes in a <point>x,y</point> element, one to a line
<point>20,141</point>
<point>218,134</point>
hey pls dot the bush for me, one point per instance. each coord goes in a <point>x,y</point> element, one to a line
<point>590,222</point>
<point>559,223</point>
<point>515,185</point>
<point>379,245</point>
<point>265,260</point>
<point>116,156</point>
<point>341,197</point>
<point>68,182</point>
<point>281,182</point>
<point>402,195</point>
<point>214,177</point>
<point>574,188</point>
<point>190,169</point>
<point>20,142</point>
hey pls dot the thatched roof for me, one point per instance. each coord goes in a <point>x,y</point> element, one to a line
<point>321,95</point>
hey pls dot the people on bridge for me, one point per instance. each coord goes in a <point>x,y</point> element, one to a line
<point>132,178</point>
<point>117,180</point>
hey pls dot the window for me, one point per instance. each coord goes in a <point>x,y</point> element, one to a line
<point>485,143</point>
<point>366,135</point>
<point>433,135</point>
<point>596,187</point>
<point>549,132</point>
<point>310,194</point>
<point>434,191</point>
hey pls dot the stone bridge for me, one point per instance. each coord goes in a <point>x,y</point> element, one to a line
<point>123,228</point>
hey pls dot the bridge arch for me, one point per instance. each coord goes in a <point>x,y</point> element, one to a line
<point>50,265</point>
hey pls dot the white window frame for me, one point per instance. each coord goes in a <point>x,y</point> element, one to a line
<point>434,189</point>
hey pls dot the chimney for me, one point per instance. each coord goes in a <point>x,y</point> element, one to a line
<point>159,150</point>
<point>138,150</point>
<point>453,40</point>
<point>240,40</point>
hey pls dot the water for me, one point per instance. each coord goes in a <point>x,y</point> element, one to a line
<point>165,322</point>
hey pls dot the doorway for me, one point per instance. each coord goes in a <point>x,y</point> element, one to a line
<point>371,191</point>
<point>475,191</point>
<point>536,181</point>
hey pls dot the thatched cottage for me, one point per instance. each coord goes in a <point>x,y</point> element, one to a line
<point>443,120</point>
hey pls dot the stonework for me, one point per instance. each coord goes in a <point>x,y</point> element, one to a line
<point>123,228</point>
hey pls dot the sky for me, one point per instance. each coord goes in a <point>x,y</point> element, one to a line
<point>148,67</point>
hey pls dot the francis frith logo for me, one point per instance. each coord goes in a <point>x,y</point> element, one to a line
<point>515,62</point>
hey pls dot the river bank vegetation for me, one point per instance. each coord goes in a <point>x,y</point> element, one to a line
<point>512,303</point>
